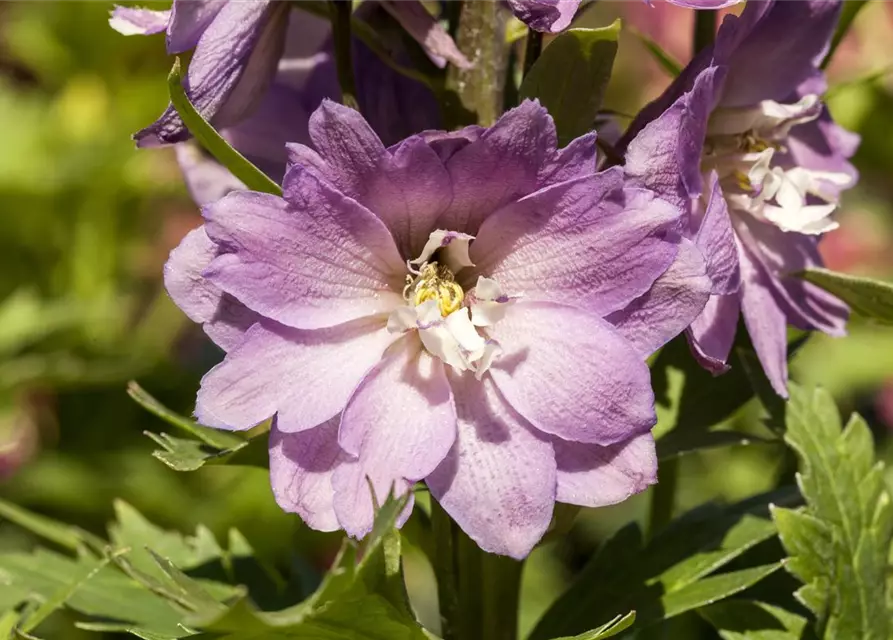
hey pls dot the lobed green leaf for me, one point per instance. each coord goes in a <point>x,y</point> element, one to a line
<point>840,543</point>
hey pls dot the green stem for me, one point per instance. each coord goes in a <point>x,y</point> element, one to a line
<point>445,571</point>
<point>500,590</point>
<point>341,32</point>
<point>663,497</point>
<point>705,30</point>
<point>478,592</point>
<point>481,37</point>
<point>533,50</point>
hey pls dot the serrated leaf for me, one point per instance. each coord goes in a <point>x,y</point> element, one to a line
<point>867,297</point>
<point>131,529</point>
<point>213,437</point>
<point>665,577</point>
<point>357,599</point>
<point>839,545</point>
<point>571,76</point>
<point>751,620</point>
<point>211,447</point>
<point>213,142</point>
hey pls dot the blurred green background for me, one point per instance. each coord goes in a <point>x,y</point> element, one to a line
<point>87,223</point>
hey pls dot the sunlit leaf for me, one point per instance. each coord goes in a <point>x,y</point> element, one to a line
<point>107,594</point>
<point>357,599</point>
<point>675,572</point>
<point>867,297</point>
<point>839,544</point>
<point>213,445</point>
<point>571,76</point>
<point>609,630</point>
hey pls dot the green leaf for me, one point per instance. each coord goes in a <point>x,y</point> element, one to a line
<point>674,573</point>
<point>62,595</point>
<point>212,447</point>
<point>712,589</point>
<point>213,437</point>
<point>683,442</point>
<point>106,594</point>
<point>64,535</point>
<point>667,62</point>
<point>132,530</point>
<point>840,543</point>
<point>869,298</point>
<point>357,599</point>
<point>139,632</point>
<point>571,76</point>
<point>8,622</point>
<point>238,165</point>
<point>751,620</point>
<point>609,630</point>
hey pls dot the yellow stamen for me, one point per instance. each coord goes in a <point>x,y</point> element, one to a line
<point>743,181</point>
<point>436,282</point>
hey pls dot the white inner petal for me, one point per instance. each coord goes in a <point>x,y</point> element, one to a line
<point>453,248</point>
<point>450,323</point>
<point>743,147</point>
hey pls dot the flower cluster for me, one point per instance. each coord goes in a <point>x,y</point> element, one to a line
<point>473,309</point>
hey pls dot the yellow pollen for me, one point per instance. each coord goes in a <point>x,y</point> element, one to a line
<point>743,181</point>
<point>436,282</point>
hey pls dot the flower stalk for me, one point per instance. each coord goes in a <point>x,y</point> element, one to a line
<point>478,592</point>
<point>533,50</point>
<point>481,37</point>
<point>341,32</point>
<point>663,496</point>
<point>704,30</point>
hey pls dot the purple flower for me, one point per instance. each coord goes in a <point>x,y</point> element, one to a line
<point>285,79</point>
<point>747,114</point>
<point>550,16</point>
<point>704,4</point>
<point>245,50</point>
<point>469,309</point>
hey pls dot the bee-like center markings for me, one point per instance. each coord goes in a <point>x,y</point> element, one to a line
<point>435,282</point>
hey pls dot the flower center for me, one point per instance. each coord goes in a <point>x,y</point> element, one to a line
<point>435,282</point>
<point>747,148</point>
<point>451,324</point>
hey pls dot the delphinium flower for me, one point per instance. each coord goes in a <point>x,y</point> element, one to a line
<point>470,309</point>
<point>552,16</point>
<point>259,69</point>
<point>747,115</point>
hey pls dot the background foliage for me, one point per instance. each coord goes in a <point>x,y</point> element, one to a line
<point>88,221</point>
